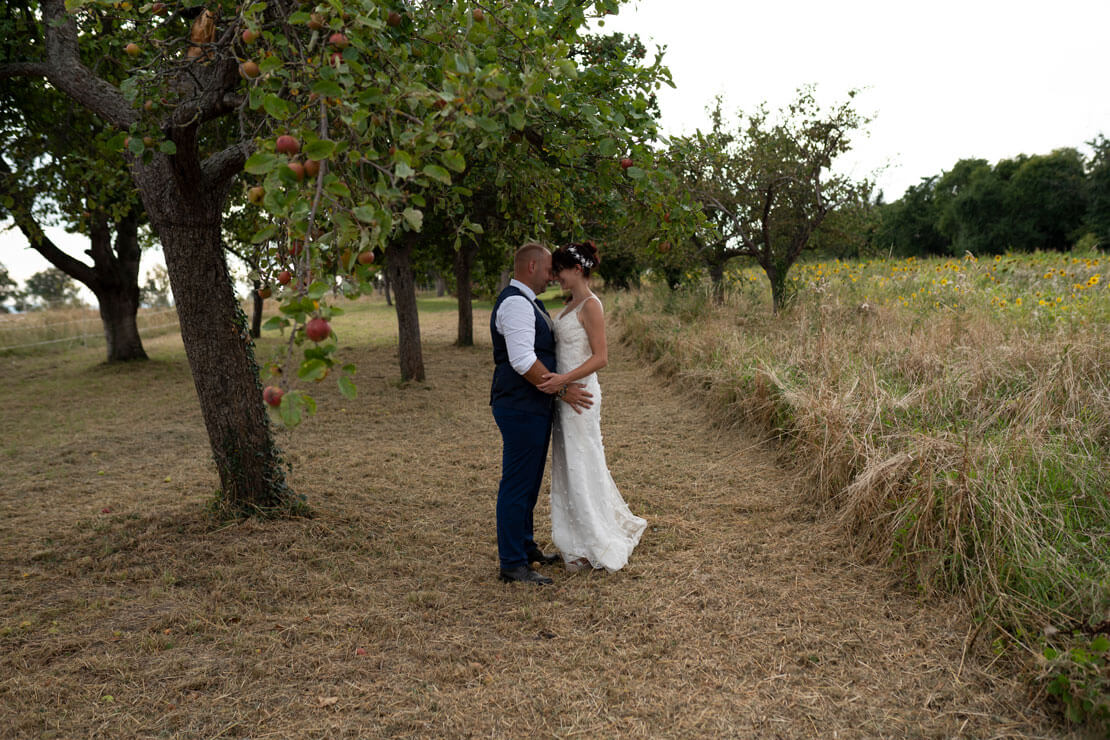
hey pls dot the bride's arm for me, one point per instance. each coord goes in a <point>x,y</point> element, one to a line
<point>593,321</point>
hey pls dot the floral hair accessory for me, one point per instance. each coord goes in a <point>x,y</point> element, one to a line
<point>580,258</point>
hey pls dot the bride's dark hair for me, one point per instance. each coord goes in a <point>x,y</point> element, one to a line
<point>583,254</point>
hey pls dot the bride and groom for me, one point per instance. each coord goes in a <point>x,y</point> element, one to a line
<point>545,391</point>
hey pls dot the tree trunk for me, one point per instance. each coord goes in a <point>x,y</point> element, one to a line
<point>717,276</point>
<point>503,282</point>
<point>388,287</point>
<point>464,260</point>
<point>118,310</point>
<point>441,286</point>
<point>398,261</point>
<point>777,277</point>
<point>217,345</point>
<point>116,286</point>
<point>256,312</point>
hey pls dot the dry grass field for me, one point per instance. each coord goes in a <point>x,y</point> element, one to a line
<point>128,613</point>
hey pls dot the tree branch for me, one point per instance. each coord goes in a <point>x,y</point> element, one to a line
<point>23,69</point>
<point>65,71</point>
<point>224,165</point>
<point>24,219</point>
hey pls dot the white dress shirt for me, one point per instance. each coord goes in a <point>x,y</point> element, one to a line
<point>516,320</point>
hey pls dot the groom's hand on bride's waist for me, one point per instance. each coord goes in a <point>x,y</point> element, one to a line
<point>577,397</point>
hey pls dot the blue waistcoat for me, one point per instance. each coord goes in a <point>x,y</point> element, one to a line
<point>510,389</point>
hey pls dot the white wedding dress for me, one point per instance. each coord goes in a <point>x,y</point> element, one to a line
<point>589,519</point>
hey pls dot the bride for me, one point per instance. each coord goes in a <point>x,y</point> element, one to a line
<point>591,524</point>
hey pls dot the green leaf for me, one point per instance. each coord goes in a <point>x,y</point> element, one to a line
<point>436,172</point>
<point>264,234</point>
<point>275,322</point>
<point>136,146</point>
<point>338,189</point>
<point>168,147</point>
<point>636,173</point>
<point>276,107</point>
<point>312,370</point>
<point>270,64</point>
<point>414,218</point>
<point>261,163</point>
<point>290,409</point>
<point>607,147</point>
<point>327,89</point>
<point>516,120</point>
<point>365,214</point>
<point>347,387</point>
<point>1100,644</point>
<point>317,290</point>
<point>454,161</point>
<point>319,149</point>
<point>403,170</point>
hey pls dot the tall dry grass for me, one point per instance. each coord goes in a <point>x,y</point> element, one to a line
<point>64,328</point>
<point>968,445</point>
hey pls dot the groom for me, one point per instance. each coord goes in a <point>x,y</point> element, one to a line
<point>523,350</point>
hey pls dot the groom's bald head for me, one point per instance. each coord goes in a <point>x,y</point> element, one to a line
<point>532,266</point>
<point>530,252</point>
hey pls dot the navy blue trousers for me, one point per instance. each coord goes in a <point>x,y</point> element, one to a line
<point>524,438</point>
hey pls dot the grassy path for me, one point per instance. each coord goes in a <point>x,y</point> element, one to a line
<point>739,615</point>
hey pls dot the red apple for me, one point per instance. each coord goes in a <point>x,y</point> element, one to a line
<point>132,49</point>
<point>158,8</point>
<point>317,329</point>
<point>316,21</point>
<point>365,258</point>
<point>265,293</point>
<point>272,395</point>
<point>626,163</point>
<point>360,651</point>
<point>665,247</point>
<point>256,194</point>
<point>287,144</point>
<point>394,18</point>
<point>148,105</point>
<point>106,510</point>
<point>148,141</point>
<point>295,247</point>
<point>339,41</point>
<point>312,168</point>
<point>249,69</point>
<point>298,170</point>
<point>284,277</point>
<point>250,36</point>
<point>479,15</point>
<point>335,59</point>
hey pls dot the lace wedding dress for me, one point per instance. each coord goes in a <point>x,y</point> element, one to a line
<point>590,522</point>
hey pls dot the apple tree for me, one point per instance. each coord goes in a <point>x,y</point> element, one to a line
<point>766,183</point>
<point>57,166</point>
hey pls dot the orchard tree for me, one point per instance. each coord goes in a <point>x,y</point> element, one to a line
<point>57,166</point>
<point>767,184</point>
<point>53,288</point>
<point>113,246</point>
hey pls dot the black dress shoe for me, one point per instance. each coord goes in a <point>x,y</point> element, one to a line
<point>524,574</point>
<point>537,556</point>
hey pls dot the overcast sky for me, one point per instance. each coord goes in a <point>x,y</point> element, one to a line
<point>945,80</point>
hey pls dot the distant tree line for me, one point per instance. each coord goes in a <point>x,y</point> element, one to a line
<point>1047,201</point>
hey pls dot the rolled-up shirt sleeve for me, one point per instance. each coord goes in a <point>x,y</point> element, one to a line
<point>516,321</point>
